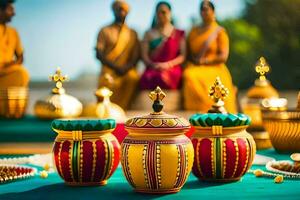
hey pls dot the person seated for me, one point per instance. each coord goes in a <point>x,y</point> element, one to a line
<point>118,50</point>
<point>12,72</point>
<point>207,49</point>
<point>163,52</point>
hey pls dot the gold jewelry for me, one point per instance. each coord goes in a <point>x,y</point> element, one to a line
<point>10,173</point>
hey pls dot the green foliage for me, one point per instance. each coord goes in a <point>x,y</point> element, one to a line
<point>245,49</point>
<point>279,23</point>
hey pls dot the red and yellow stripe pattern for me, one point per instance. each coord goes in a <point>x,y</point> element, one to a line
<point>223,158</point>
<point>86,162</point>
<point>157,166</point>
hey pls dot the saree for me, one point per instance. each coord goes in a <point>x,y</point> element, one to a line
<point>117,47</point>
<point>10,44</point>
<point>199,78</point>
<point>163,50</point>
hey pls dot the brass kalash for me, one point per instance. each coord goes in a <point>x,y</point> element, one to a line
<point>261,90</point>
<point>58,104</point>
<point>283,126</point>
<point>13,102</point>
<point>104,108</point>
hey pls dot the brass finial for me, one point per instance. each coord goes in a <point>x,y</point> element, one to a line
<point>218,92</point>
<point>157,96</point>
<point>58,78</point>
<point>262,68</point>
<point>103,93</point>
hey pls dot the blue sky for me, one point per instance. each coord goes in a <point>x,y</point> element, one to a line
<point>63,32</point>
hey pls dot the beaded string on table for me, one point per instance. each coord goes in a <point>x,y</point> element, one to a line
<point>10,173</point>
<point>44,161</point>
<point>280,169</point>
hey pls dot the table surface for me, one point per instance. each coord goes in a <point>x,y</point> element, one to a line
<point>249,187</point>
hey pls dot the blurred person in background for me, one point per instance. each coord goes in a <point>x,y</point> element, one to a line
<point>118,51</point>
<point>12,72</point>
<point>207,49</point>
<point>163,52</point>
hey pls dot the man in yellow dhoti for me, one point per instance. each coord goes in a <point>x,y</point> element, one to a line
<point>12,73</point>
<point>118,50</point>
<point>208,48</point>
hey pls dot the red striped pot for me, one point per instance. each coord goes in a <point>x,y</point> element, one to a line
<point>222,154</point>
<point>88,156</point>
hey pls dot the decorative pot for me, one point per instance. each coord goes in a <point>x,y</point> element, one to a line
<point>58,104</point>
<point>224,151</point>
<point>284,128</point>
<point>13,102</point>
<point>156,155</point>
<point>85,151</point>
<point>262,89</point>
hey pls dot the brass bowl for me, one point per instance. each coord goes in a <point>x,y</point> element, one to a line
<point>284,129</point>
<point>13,102</point>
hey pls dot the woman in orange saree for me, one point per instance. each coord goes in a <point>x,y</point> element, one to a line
<point>12,72</point>
<point>163,52</point>
<point>208,49</point>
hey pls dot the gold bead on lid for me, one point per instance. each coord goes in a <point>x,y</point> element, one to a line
<point>218,92</point>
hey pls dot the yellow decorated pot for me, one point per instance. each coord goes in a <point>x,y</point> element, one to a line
<point>156,155</point>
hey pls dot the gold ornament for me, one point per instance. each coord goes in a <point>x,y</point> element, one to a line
<point>218,92</point>
<point>262,68</point>
<point>157,94</point>
<point>59,104</point>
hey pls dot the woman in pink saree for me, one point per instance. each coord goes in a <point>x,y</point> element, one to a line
<point>163,52</point>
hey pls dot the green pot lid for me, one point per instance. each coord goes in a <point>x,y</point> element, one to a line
<point>219,119</point>
<point>83,124</point>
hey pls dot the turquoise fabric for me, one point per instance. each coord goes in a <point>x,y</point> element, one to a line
<point>83,124</point>
<point>27,129</point>
<point>219,119</point>
<point>32,129</point>
<point>249,187</point>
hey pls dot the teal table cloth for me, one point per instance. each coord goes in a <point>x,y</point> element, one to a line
<point>249,187</point>
<point>27,129</point>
